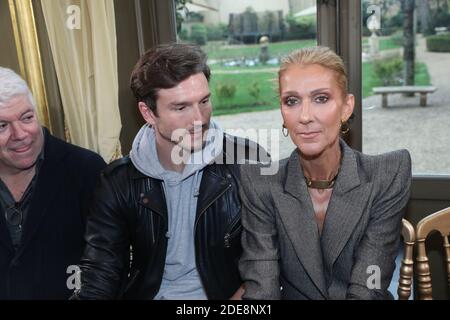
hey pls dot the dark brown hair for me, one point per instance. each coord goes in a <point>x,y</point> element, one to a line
<point>165,66</point>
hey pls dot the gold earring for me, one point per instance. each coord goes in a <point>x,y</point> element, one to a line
<point>345,128</point>
<point>285,131</point>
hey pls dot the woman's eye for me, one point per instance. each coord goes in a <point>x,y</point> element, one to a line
<point>291,101</point>
<point>321,99</point>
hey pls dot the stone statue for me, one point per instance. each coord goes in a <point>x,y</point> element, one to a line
<point>264,54</point>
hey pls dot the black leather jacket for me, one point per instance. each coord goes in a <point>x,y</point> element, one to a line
<point>129,212</point>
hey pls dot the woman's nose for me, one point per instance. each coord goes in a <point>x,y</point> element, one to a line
<point>305,112</point>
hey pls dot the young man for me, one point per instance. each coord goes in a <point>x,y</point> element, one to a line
<point>165,222</point>
<point>45,185</point>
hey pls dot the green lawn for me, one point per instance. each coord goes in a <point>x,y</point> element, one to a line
<point>369,80</point>
<point>243,101</point>
<point>422,76</point>
<point>385,44</point>
<point>214,67</point>
<point>216,51</point>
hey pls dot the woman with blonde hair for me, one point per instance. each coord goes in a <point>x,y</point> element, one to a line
<point>327,224</point>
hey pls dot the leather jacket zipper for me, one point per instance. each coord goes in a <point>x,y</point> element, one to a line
<point>230,234</point>
<point>195,231</point>
<point>209,204</point>
<point>132,281</point>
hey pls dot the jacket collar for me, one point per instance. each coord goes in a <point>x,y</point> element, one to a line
<point>212,186</point>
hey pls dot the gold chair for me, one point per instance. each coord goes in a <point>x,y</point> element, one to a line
<point>406,269</point>
<point>439,221</point>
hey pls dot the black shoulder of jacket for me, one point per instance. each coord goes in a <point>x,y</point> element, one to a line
<point>116,164</point>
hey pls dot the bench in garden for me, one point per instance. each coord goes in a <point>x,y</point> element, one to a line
<point>423,90</point>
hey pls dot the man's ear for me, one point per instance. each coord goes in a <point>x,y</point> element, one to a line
<point>349,105</point>
<point>147,114</point>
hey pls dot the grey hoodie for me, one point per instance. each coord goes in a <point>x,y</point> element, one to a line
<point>181,279</point>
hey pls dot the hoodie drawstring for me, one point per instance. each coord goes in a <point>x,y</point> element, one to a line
<point>196,184</point>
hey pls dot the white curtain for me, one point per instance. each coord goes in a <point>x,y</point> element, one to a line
<point>86,65</point>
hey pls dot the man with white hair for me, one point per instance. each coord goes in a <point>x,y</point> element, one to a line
<point>45,186</point>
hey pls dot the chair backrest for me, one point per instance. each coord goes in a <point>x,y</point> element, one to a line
<point>407,268</point>
<point>439,221</point>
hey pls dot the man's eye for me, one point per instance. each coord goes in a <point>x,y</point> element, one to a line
<point>28,118</point>
<point>321,99</point>
<point>180,108</point>
<point>291,101</point>
<point>205,101</point>
<point>3,126</point>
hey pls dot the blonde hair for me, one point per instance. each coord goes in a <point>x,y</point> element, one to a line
<point>319,55</point>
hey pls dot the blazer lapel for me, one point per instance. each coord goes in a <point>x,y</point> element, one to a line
<point>50,177</point>
<point>297,214</point>
<point>345,208</point>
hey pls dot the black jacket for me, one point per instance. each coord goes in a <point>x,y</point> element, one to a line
<point>129,218</point>
<point>52,237</point>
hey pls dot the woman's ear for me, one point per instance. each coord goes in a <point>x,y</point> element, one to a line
<point>348,108</point>
<point>146,113</point>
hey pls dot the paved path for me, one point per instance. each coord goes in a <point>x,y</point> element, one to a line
<point>425,132</point>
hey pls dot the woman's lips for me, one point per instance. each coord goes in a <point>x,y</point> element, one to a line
<point>309,135</point>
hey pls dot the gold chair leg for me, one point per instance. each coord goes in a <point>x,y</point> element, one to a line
<point>406,273</point>
<point>447,255</point>
<point>423,272</point>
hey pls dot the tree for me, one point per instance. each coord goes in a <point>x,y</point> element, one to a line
<point>268,23</point>
<point>423,13</point>
<point>180,6</point>
<point>198,34</point>
<point>408,43</point>
<point>432,14</point>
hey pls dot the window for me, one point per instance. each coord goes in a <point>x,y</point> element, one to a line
<point>405,45</point>
<point>245,41</point>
